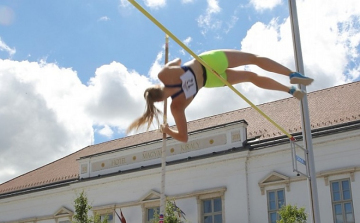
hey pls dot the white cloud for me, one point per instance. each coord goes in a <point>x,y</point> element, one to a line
<point>42,109</point>
<point>206,21</point>
<point>187,41</point>
<point>213,6</point>
<point>330,43</point>
<point>261,5</point>
<point>114,97</point>
<point>330,46</point>
<point>330,40</point>
<point>6,48</point>
<point>104,18</point>
<point>156,67</point>
<point>125,8</point>
<point>106,131</point>
<point>155,3</point>
<point>7,173</point>
<point>124,3</point>
<point>49,113</point>
<point>231,23</point>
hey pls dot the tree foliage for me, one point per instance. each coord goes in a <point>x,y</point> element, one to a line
<point>172,214</point>
<point>292,214</point>
<point>82,208</point>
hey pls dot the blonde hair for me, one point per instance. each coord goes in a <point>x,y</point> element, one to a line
<point>151,95</point>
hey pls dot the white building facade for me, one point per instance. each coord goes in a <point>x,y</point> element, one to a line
<point>219,176</point>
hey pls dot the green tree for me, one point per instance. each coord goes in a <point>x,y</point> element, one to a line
<point>82,208</point>
<point>172,214</point>
<point>292,214</point>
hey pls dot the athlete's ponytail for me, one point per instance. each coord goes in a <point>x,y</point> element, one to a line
<point>151,95</point>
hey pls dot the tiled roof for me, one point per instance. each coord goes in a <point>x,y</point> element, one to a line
<point>327,107</point>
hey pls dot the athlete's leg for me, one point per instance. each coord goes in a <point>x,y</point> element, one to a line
<point>235,76</point>
<point>237,58</point>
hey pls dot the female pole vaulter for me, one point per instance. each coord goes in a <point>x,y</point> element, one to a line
<point>182,82</point>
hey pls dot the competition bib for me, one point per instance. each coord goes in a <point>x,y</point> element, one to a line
<point>188,84</point>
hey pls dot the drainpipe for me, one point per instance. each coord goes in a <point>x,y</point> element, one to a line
<point>247,186</point>
<point>89,167</point>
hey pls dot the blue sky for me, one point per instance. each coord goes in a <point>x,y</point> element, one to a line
<point>72,73</point>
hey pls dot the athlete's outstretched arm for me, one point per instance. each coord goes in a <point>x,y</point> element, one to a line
<point>181,134</point>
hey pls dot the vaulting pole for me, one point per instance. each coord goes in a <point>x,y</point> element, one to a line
<point>163,151</point>
<point>141,9</point>
<point>305,117</point>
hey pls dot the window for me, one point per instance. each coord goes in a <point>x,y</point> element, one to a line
<point>150,213</point>
<point>212,210</point>
<point>276,199</point>
<point>108,216</point>
<point>342,202</point>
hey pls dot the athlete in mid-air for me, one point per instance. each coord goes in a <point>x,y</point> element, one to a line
<point>182,83</point>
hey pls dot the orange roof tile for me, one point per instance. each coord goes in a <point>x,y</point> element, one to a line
<point>327,107</point>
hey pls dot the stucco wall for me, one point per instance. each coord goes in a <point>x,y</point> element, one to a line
<point>186,181</point>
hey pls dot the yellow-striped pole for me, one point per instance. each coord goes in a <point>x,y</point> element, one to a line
<point>141,9</point>
<point>163,151</point>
